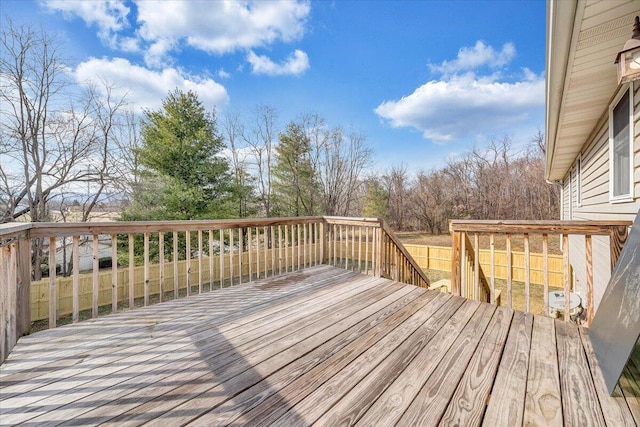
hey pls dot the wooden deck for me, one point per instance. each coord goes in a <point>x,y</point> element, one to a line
<point>323,346</point>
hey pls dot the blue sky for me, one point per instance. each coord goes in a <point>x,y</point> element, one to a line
<point>423,80</point>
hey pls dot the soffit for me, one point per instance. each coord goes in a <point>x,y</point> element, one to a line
<point>583,39</point>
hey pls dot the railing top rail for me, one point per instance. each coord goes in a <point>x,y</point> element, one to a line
<point>12,230</point>
<point>345,220</point>
<point>48,229</point>
<point>58,229</point>
<point>537,227</point>
<point>404,252</point>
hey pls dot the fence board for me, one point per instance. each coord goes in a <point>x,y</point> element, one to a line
<point>439,258</point>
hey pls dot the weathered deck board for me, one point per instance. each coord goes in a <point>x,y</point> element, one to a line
<point>322,346</point>
<point>580,404</point>
<point>506,404</point>
<point>543,405</point>
<point>468,402</point>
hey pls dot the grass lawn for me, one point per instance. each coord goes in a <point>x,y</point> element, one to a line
<point>536,292</point>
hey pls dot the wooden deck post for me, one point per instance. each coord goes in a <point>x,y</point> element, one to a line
<point>455,262</point>
<point>23,307</point>
<point>617,237</point>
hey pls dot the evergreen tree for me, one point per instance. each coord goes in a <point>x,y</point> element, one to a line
<point>184,176</point>
<point>294,183</point>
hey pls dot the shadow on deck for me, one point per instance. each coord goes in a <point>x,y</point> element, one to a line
<point>324,346</point>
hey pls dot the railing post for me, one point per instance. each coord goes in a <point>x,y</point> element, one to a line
<point>23,307</point>
<point>617,237</point>
<point>456,257</point>
<point>378,254</point>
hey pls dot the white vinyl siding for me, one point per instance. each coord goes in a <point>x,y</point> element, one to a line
<point>595,200</point>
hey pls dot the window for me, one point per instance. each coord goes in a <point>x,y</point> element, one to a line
<point>620,157</point>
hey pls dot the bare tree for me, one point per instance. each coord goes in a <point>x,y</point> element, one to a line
<point>397,185</point>
<point>233,131</point>
<point>340,160</point>
<point>260,136</point>
<point>49,135</point>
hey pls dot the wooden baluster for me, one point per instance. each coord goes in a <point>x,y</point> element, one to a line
<point>360,248</point>
<point>313,230</point>
<point>257,252</point>
<point>366,251</point>
<point>342,242</point>
<point>53,299</point>
<point>566,275</point>
<point>241,258</point>
<point>353,247</point>
<point>476,267</point>
<point>304,245</point>
<point>176,266</point>
<point>286,249</point>
<point>334,235</point>
<point>231,257</point>
<point>280,249</point>
<point>298,246</point>
<point>273,250</point>
<point>211,276</point>
<point>146,269</point>
<point>509,281</point>
<point>76,279</point>
<point>527,274</point>
<point>187,236</point>
<point>96,277</point>
<point>114,273</point>
<point>463,267</point>
<point>545,272</point>
<point>589,256</point>
<point>323,239</point>
<point>132,272</point>
<point>267,250</point>
<point>200,262</point>
<point>492,267</point>
<point>161,266</point>
<point>221,256</point>
<point>250,255</point>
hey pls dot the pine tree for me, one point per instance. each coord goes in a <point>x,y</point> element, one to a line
<point>294,186</point>
<point>184,177</point>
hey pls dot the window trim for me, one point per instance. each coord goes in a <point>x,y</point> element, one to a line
<point>571,176</point>
<point>579,181</point>
<point>623,198</point>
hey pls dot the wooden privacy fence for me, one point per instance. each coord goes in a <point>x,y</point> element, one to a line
<point>439,258</point>
<point>467,271</point>
<point>153,261</point>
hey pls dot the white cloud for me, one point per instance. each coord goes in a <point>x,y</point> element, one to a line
<point>471,58</point>
<point>162,27</point>
<point>110,16</point>
<point>223,74</point>
<point>296,64</point>
<point>461,106</point>
<point>220,26</point>
<point>147,88</point>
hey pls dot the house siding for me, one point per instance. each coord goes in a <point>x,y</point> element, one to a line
<point>595,203</point>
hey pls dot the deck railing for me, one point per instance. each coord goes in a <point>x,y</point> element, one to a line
<point>148,262</point>
<point>468,276</point>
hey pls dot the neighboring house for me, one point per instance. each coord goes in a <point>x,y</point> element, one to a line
<point>592,123</point>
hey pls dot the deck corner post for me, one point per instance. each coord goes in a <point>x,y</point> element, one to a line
<point>455,261</point>
<point>23,303</point>
<point>617,237</point>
